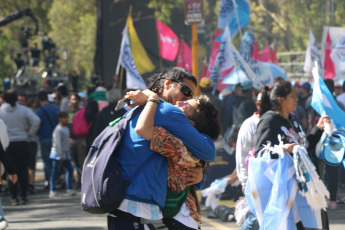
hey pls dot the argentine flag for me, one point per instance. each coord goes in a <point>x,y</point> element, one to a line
<point>133,78</point>
<point>324,103</point>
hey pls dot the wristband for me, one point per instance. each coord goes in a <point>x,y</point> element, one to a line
<point>155,100</point>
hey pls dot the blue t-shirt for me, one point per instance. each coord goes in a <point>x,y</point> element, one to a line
<point>150,186</point>
<point>45,131</point>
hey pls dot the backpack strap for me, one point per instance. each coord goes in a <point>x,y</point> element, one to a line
<point>48,118</point>
<point>127,116</point>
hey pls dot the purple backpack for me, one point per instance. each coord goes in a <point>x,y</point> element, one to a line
<point>103,187</point>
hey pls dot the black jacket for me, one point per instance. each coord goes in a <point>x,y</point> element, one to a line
<point>271,124</point>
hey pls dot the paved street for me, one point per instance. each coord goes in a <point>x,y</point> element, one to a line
<point>64,213</point>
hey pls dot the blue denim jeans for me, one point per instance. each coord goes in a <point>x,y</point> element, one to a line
<point>46,146</point>
<point>56,169</point>
<point>251,223</point>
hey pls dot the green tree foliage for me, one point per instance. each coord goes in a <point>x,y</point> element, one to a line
<point>10,33</point>
<point>283,24</point>
<point>5,64</point>
<point>73,26</point>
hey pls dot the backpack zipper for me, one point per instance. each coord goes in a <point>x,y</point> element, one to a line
<point>93,185</point>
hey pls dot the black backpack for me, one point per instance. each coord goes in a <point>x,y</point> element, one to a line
<point>103,188</point>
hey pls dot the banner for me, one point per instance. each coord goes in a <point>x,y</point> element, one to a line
<point>338,55</point>
<point>168,41</point>
<point>265,55</point>
<point>312,54</point>
<point>184,58</point>
<point>204,69</point>
<point>233,13</point>
<point>225,60</point>
<point>140,57</point>
<point>133,78</point>
<point>328,63</point>
<point>256,55</point>
<point>214,52</point>
<point>248,45</point>
<point>324,103</point>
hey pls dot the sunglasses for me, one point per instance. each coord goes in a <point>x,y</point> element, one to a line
<point>185,90</point>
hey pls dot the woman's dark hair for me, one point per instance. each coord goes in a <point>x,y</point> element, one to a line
<point>10,98</point>
<point>270,97</point>
<point>205,117</point>
<point>175,73</point>
<point>264,100</point>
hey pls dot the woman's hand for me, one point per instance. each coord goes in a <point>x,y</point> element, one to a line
<point>140,97</point>
<point>321,123</point>
<point>289,147</point>
<point>194,175</point>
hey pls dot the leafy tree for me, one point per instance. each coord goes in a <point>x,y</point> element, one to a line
<point>73,26</point>
<point>5,65</point>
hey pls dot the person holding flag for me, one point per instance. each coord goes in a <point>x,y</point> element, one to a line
<point>277,125</point>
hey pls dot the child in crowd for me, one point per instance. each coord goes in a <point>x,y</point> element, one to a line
<point>60,155</point>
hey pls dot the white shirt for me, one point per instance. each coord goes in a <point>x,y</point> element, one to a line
<point>245,142</point>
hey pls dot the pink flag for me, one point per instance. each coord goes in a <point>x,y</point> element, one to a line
<point>328,63</point>
<point>256,51</point>
<point>265,55</point>
<point>274,57</point>
<point>184,58</point>
<point>168,41</point>
<point>204,69</point>
<point>214,51</point>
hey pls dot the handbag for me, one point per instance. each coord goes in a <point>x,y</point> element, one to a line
<point>333,149</point>
<point>174,202</point>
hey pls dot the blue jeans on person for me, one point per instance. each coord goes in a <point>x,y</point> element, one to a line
<point>251,223</point>
<point>56,169</point>
<point>46,146</point>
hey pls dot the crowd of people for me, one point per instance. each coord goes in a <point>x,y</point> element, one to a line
<point>198,139</point>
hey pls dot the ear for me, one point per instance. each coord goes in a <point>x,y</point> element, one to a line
<point>167,83</point>
<point>192,122</point>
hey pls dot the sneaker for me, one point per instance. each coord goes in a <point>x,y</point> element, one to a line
<point>23,200</point>
<point>46,185</point>
<point>3,223</point>
<point>70,192</point>
<point>14,202</point>
<point>31,189</point>
<point>53,194</point>
<point>332,205</point>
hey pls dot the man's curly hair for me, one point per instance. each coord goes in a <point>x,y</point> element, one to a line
<point>175,73</point>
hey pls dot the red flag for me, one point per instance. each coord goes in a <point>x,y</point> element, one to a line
<point>328,63</point>
<point>265,55</point>
<point>256,51</point>
<point>204,69</point>
<point>168,41</point>
<point>274,57</point>
<point>184,58</point>
<point>214,52</point>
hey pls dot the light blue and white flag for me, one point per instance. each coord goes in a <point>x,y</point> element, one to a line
<point>257,73</point>
<point>312,54</point>
<point>324,103</point>
<point>133,78</point>
<point>273,197</point>
<point>247,45</point>
<point>224,60</point>
<point>338,55</point>
<point>233,13</point>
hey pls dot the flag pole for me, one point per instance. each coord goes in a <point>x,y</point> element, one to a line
<point>159,49</point>
<point>195,44</point>
<point>237,18</point>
